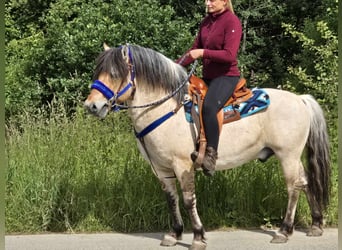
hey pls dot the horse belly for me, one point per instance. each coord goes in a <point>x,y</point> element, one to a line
<point>240,142</point>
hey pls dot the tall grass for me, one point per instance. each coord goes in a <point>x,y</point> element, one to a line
<point>81,174</point>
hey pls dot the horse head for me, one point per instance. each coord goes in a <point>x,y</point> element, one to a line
<point>113,81</point>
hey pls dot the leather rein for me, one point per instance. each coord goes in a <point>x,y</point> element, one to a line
<point>112,97</point>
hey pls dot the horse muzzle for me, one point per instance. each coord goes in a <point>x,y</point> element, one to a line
<point>97,108</point>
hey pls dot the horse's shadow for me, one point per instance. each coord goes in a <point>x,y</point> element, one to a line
<point>267,231</point>
<point>159,237</point>
<point>273,232</point>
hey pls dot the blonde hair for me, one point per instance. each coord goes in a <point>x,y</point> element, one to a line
<point>229,5</point>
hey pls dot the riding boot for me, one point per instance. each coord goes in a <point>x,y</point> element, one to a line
<point>194,156</point>
<point>210,158</point>
<point>209,161</point>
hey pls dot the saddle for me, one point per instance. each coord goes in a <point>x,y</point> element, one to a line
<point>197,91</point>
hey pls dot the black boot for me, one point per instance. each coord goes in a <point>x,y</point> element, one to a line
<point>209,161</point>
<point>194,156</point>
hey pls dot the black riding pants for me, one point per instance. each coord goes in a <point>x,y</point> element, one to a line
<point>220,89</point>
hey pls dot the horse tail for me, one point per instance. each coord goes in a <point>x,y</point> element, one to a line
<point>318,153</point>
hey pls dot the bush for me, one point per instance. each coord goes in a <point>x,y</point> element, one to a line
<point>58,60</point>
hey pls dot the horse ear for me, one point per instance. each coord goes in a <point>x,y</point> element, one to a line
<point>105,46</point>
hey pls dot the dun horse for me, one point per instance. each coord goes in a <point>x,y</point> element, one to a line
<point>151,86</point>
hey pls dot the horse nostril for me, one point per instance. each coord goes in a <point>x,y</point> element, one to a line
<point>96,108</point>
<point>93,107</point>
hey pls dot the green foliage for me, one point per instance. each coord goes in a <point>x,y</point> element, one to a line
<point>58,60</point>
<point>24,16</point>
<point>57,41</point>
<point>266,51</point>
<point>316,71</point>
<point>79,175</point>
<point>22,87</point>
<point>259,20</point>
<point>245,196</point>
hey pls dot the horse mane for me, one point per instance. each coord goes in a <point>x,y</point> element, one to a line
<point>152,68</point>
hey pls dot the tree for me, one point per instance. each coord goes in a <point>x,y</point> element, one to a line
<point>56,58</point>
<point>316,71</point>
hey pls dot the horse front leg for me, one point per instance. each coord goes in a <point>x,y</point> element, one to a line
<point>188,187</point>
<point>170,189</point>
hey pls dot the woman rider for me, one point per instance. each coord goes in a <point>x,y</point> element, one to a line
<point>217,43</point>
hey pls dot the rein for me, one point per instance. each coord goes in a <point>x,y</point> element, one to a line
<point>165,98</point>
<point>112,97</point>
<point>162,119</point>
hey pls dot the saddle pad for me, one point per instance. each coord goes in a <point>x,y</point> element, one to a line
<point>259,101</point>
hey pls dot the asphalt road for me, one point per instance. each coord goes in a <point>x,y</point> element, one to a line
<point>218,240</point>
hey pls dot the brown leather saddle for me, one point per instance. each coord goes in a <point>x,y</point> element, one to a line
<point>197,91</point>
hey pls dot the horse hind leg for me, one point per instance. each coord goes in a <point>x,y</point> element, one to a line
<point>316,214</point>
<point>170,189</point>
<point>295,184</point>
<point>295,181</point>
<point>316,209</point>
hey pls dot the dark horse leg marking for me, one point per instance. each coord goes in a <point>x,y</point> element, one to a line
<point>177,223</point>
<point>286,228</point>
<point>169,187</point>
<point>295,182</point>
<point>316,214</point>
<point>189,196</point>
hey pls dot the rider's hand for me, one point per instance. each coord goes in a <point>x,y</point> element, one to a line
<point>196,53</point>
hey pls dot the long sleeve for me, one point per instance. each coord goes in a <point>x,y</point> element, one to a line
<point>185,60</point>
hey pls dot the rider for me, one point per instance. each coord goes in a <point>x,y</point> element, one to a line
<point>217,43</point>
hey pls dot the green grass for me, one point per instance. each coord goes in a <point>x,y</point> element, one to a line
<point>81,174</point>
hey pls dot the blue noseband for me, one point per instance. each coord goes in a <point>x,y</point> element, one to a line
<point>107,92</point>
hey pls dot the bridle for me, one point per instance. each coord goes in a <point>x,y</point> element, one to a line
<point>112,97</point>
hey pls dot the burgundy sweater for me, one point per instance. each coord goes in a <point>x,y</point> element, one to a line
<point>219,36</point>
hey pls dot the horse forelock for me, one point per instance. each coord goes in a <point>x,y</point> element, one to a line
<point>152,69</point>
<point>111,62</point>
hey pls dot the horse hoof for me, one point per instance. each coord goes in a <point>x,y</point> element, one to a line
<point>198,245</point>
<point>168,241</point>
<point>315,231</point>
<point>279,238</point>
